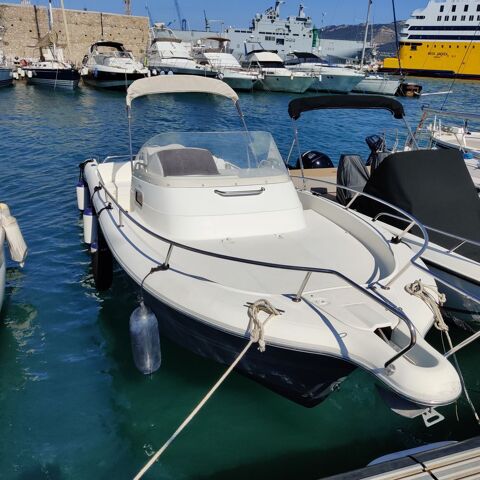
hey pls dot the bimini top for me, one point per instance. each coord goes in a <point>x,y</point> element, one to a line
<point>179,84</point>
<point>300,105</point>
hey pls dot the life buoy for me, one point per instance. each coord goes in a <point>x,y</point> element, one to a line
<point>23,62</point>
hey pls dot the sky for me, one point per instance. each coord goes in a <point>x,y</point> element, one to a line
<point>240,12</point>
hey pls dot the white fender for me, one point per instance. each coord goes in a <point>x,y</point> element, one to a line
<point>16,243</point>
<point>89,226</point>
<point>83,199</point>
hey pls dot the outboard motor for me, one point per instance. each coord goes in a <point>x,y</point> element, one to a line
<point>378,152</point>
<point>313,159</point>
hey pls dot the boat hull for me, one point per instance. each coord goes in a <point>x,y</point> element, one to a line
<point>436,58</point>
<point>281,83</point>
<point>304,378</point>
<point>111,80</point>
<point>6,78</point>
<point>240,83</point>
<point>379,86</point>
<point>173,70</point>
<point>53,78</point>
<point>334,83</point>
<point>3,271</point>
<point>458,308</point>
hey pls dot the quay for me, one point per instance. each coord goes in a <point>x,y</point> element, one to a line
<point>451,462</point>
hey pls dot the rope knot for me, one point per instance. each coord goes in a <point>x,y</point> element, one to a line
<point>433,298</point>
<point>255,326</point>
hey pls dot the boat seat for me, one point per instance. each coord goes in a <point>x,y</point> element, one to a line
<point>187,161</point>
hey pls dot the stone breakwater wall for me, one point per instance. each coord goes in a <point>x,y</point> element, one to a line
<point>24,24</point>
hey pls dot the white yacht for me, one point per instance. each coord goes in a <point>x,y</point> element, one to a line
<point>213,51</point>
<point>109,65</point>
<point>214,233</point>
<point>327,78</point>
<point>168,55</point>
<point>277,78</point>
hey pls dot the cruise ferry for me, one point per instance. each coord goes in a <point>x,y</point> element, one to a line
<point>268,31</point>
<point>441,40</point>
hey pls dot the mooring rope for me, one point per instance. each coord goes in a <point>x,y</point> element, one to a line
<point>427,294</point>
<point>256,328</point>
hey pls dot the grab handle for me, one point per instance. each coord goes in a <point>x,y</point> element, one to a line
<point>240,193</point>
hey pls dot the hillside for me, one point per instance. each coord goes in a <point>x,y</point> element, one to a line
<point>383,35</point>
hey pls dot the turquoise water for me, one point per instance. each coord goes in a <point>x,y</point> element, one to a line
<point>72,405</point>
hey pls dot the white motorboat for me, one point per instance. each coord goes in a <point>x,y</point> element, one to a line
<point>168,55</point>
<point>399,177</point>
<point>456,136</point>
<point>327,78</point>
<point>277,78</point>
<point>378,84</point>
<point>51,70</point>
<point>9,233</point>
<point>208,224</point>
<point>109,65</point>
<point>213,51</point>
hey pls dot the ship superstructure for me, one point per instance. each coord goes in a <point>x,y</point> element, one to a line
<point>442,39</point>
<point>268,31</point>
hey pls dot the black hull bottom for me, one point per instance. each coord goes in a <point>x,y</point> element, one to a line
<point>112,81</point>
<point>53,78</point>
<point>430,73</point>
<point>6,83</point>
<point>304,378</point>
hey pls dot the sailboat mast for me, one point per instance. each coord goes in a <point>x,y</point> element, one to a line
<point>50,26</point>
<point>67,35</point>
<point>365,38</point>
<point>397,44</point>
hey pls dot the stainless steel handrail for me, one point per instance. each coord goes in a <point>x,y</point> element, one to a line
<point>462,240</point>
<point>413,220</point>
<point>172,243</point>
<point>239,193</point>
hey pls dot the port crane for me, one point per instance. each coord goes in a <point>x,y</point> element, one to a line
<point>183,21</point>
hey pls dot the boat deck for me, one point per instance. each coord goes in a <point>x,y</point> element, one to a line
<point>452,462</point>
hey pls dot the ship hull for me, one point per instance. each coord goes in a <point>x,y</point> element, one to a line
<point>437,59</point>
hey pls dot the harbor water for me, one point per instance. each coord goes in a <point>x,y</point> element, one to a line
<point>72,404</point>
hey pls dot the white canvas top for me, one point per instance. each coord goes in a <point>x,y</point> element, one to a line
<point>178,84</point>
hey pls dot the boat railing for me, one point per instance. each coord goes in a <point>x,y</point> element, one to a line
<point>463,241</point>
<point>406,216</point>
<point>309,271</point>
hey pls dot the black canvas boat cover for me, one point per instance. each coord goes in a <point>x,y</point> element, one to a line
<point>433,185</point>
<point>351,173</point>
<point>304,104</point>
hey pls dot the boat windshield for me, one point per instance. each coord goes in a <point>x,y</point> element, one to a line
<point>240,154</point>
